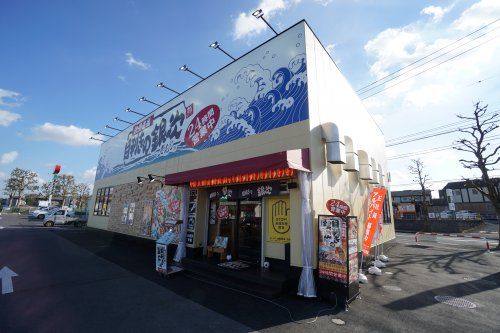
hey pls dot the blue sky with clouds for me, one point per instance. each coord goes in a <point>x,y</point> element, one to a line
<point>68,68</point>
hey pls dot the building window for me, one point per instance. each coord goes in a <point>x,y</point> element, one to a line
<point>386,213</point>
<point>103,201</point>
<point>474,191</point>
<point>457,192</point>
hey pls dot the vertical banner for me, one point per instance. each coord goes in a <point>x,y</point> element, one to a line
<point>333,248</point>
<point>375,207</point>
<point>278,220</point>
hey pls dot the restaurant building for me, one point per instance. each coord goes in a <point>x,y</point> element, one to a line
<point>247,159</point>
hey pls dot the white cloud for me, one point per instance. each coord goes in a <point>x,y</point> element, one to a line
<point>7,118</point>
<point>9,157</point>
<point>133,62</point>
<point>477,15</point>
<point>246,25</point>
<point>434,97</point>
<point>3,175</point>
<point>436,12</point>
<point>324,2</point>
<point>89,175</point>
<point>329,48</point>
<point>69,135</point>
<point>10,98</point>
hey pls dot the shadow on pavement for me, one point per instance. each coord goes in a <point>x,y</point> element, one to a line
<point>426,298</point>
<point>137,256</point>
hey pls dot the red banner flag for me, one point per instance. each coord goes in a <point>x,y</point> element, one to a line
<point>375,207</point>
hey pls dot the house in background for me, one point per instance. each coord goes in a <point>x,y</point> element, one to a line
<point>466,197</point>
<point>408,203</point>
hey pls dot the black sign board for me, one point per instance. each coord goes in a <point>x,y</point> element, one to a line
<point>244,191</point>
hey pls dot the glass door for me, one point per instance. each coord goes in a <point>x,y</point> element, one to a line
<point>222,221</point>
<point>250,231</point>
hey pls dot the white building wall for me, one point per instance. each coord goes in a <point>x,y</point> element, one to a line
<point>331,99</point>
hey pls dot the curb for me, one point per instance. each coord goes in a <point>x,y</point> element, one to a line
<point>449,235</point>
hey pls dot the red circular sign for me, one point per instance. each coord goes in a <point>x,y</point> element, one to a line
<point>338,207</point>
<point>202,125</point>
<point>223,212</point>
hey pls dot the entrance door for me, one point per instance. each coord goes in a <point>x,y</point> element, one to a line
<point>222,221</point>
<point>250,231</point>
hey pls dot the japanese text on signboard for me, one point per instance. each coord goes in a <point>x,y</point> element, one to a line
<point>375,207</point>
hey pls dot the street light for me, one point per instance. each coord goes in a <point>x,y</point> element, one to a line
<point>123,121</point>
<point>162,85</point>
<point>138,113</point>
<point>116,129</point>
<point>139,180</point>
<point>152,177</point>
<point>185,68</point>
<point>216,46</point>
<point>99,133</point>
<point>259,14</point>
<point>92,138</point>
<point>144,99</point>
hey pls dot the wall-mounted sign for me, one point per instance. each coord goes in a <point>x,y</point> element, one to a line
<point>166,211</point>
<point>189,237</point>
<point>278,217</point>
<point>263,90</point>
<point>147,217</point>
<point>337,207</point>
<point>375,206</point>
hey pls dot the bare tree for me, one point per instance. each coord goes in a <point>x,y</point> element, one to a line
<point>486,156</point>
<point>420,177</point>
<point>81,192</point>
<point>64,186</point>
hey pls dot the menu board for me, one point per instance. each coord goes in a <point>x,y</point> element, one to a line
<point>333,248</point>
<point>191,218</point>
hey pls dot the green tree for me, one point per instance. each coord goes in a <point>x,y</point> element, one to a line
<point>20,181</point>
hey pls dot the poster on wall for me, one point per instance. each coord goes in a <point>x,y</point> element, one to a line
<point>147,217</point>
<point>166,211</point>
<point>278,217</point>
<point>124,214</point>
<point>352,240</point>
<point>131,212</point>
<point>263,90</point>
<point>189,237</point>
<point>333,248</point>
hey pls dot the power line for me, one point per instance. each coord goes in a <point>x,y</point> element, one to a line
<point>425,63</point>
<point>432,67</point>
<point>443,180</point>
<point>435,149</point>
<point>442,127</point>
<point>433,135</point>
<point>418,60</point>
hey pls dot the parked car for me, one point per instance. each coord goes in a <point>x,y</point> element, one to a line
<point>60,216</point>
<point>467,215</point>
<point>41,212</point>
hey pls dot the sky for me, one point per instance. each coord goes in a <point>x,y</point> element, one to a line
<point>68,68</point>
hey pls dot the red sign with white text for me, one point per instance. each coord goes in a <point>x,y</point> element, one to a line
<point>338,207</point>
<point>375,207</point>
<point>202,125</point>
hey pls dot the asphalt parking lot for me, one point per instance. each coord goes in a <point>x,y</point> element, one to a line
<point>74,279</point>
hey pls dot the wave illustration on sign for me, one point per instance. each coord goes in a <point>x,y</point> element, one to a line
<point>257,100</point>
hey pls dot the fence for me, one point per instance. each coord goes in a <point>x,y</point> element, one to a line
<point>436,225</point>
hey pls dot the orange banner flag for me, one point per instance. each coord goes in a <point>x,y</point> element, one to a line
<point>375,207</point>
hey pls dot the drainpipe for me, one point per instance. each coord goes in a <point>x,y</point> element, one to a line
<point>334,142</point>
